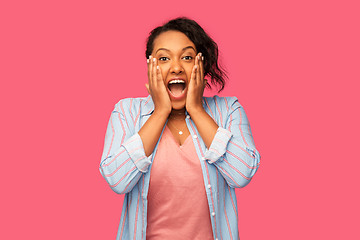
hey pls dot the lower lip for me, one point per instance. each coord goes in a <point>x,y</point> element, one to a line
<point>179,97</point>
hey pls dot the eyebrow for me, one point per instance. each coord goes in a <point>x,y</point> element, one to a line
<point>185,48</point>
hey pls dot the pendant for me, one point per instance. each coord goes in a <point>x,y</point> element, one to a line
<point>180,132</point>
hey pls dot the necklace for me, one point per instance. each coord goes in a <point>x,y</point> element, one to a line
<point>180,132</point>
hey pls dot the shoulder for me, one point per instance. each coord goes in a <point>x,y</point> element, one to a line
<point>223,104</point>
<point>130,104</point>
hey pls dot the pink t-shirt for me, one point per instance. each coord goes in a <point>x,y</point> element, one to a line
<point>177,203</point>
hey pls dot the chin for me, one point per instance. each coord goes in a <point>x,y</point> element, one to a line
<point>178,105</point>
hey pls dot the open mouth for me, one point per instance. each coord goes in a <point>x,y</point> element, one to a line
<point>176,87</point>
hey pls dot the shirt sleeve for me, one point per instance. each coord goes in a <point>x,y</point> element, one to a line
<point>123,160</point>
<point>233,150</point>
<point>218,145</point>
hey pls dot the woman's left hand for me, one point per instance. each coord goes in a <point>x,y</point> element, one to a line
<point>196,86</point>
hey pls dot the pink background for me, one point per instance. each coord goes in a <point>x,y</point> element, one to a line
<point>294,65</point>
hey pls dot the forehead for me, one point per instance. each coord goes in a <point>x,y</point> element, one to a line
<point>173,41</point>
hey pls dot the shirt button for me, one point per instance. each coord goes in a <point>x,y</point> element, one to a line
<point>188,116</point>
<point>209,186</point>
<point>213,213</point>
<point>195,136</point>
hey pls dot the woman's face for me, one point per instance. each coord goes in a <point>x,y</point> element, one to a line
<point>176,58</point>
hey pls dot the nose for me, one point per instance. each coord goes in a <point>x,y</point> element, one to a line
<point>176,67</point>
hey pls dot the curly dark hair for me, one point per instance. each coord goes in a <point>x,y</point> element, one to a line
<point>202,42</point>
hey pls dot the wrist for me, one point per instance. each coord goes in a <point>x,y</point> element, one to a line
<point>195,109</point>
<point>161,113</point>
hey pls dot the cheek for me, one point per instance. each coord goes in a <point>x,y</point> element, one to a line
<point>164,72</point>
<point>188,70</point>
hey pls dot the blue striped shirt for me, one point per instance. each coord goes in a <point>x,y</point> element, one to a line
<point>230,162</point>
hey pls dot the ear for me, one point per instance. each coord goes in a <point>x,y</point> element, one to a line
<point>147,87</point>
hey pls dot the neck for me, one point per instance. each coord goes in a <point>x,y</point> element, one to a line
<point>177,113</point>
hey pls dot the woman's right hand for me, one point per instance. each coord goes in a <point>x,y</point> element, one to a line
<point>157,88</point>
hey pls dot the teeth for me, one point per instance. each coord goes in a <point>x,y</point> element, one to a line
<point>176,81</point>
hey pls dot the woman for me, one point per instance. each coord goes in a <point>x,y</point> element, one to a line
<point>204,147</point>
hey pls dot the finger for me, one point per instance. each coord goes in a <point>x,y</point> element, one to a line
<point>159,75</point>
<point>149,70</point>
<point>193,75</point>
<point>198,77</point>
<point>148,62</point>
<point>147,87</point>
<point>147,65</point>
<point>196,68</point>
<point>153,72</point>
<point>201,68</point>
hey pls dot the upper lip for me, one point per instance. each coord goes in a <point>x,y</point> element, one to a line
<point>175,78</point>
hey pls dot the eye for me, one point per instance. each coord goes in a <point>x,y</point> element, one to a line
<point>188,57</point>
<point>163,58</point>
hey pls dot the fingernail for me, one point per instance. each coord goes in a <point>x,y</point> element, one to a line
<point>154,59</point>
<point>147,60</point>
<point>200,54</point>
<point>157,67</point>
<point>202,58</point>
<point>196,66</point>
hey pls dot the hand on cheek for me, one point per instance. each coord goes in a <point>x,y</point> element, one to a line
<point>196,86</point>
<point>157,88</point>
